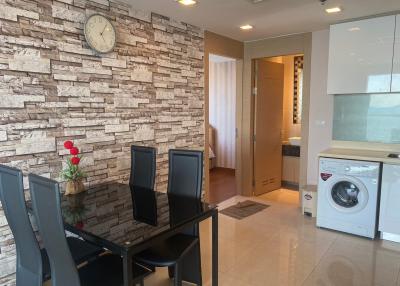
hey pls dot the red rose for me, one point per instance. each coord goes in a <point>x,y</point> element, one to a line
<point>75,160</point>
<point>74,151</point>
<point>68,144</point>
<point>79,225</point>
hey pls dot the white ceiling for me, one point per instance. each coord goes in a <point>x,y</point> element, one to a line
<point>270,18</point>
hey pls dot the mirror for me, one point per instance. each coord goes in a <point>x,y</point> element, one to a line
<point>298,89</point>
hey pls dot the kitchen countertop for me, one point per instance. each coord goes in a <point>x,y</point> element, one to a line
<point>360,154</point>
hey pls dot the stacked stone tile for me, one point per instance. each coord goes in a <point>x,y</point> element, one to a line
<point>53,87</point>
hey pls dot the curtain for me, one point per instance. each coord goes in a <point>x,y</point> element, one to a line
<point>222,102</point>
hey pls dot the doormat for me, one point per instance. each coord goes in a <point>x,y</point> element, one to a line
<point>243,209</point>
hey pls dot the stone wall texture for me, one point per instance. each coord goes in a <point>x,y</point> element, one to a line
<point>53,87</point>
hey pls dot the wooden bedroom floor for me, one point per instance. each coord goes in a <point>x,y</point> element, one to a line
<point>222,184</point>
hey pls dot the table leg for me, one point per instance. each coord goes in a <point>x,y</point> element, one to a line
<point>215,249</point>
<point>127,268</point>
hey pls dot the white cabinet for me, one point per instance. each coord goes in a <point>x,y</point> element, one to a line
<point>396,59</point>
<point>389,217</point>
<point>361,56</point>
<point>290,169</point>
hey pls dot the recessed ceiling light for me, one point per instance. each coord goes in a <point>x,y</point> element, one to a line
<point>354,29</point>
<point>333,10</point>
<point>246,27</point>
<point>187,2</point>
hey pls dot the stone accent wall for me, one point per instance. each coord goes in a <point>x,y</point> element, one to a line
<point>53,87</point>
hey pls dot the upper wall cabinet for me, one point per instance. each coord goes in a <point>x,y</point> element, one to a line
<point>396,59</point>
<point>361,56</point>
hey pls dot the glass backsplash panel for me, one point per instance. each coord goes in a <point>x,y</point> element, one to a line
<point>367,117</point>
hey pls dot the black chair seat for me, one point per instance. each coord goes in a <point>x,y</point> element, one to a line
<point>107,271</point>
<point>181,253</point>
<point>82,251</point>
<point>168,252</point>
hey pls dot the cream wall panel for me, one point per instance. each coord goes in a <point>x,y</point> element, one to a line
<point>321,105</point>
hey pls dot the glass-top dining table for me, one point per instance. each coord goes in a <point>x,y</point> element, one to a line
<point>127,221</point>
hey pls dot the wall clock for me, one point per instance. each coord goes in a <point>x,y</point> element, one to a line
<point>100,34</point>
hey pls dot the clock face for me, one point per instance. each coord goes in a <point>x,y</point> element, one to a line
<point>100,33</point>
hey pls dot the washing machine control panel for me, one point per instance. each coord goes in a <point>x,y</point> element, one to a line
<point>350,168</point>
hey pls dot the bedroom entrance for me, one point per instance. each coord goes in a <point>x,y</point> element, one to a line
<point>222,127</point>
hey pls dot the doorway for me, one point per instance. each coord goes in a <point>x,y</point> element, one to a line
<point>277,90</point>
<point>222,128</point>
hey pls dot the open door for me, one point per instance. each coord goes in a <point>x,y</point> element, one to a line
<point>269,81</point>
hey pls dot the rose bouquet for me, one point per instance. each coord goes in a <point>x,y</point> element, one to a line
<point>73,173</point>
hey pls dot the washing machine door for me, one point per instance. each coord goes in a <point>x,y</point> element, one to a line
<point>347,194</point>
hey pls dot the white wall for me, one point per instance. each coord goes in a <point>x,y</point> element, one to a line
<point>321,104</point>
<point>222,114</point>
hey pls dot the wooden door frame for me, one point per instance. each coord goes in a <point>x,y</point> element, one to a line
<point>287,45</point>
<point>238,119</point>
<point>253,107</point>
<point>222,46</point>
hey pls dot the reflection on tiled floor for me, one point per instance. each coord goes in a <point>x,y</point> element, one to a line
<point>278,246</point>
<point>284,196</point>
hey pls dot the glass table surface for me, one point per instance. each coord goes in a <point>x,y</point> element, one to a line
<point>126,216</point>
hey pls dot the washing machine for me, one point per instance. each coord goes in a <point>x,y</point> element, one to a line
<point>348,193</point>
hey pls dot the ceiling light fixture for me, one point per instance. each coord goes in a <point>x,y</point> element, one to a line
<point>246,27</point>
<point>333,10</point>
<point>187,2</point>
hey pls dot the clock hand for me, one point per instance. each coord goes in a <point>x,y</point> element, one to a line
<point>103,30</point>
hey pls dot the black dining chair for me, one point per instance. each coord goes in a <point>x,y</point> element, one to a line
<point>141,182</point>
<point>104,271</point>
<point>181,252</point>
<point>29,269</point>
<point>32,262</point>
<point>143,167</point>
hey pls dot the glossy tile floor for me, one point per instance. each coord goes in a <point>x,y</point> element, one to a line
<point>279,246</point>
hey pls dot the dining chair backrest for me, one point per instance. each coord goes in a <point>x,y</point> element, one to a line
<point>144,202</point>
<point>185,176</point>
<point>29,259</point>
<point>46,205</point>
<point>143,167</point>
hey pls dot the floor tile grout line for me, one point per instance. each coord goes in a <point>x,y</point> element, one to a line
<point>319,261</point>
